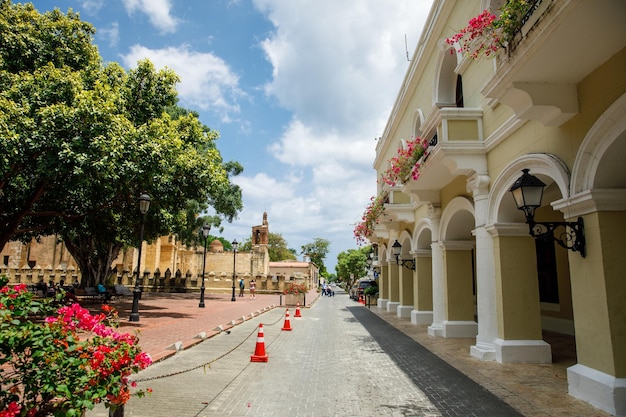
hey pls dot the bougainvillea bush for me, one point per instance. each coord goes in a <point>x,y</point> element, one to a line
<point>371,216</point>
<point>405,164</point>
<point>60,360</point>
<point>488,33</point>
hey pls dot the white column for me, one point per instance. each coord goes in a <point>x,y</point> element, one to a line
<point>486,298</point>
<point>439,306</point>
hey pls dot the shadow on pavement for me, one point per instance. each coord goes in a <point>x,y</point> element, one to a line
<point>447,388</point>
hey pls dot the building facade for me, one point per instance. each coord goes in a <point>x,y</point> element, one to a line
<point>166,265</point>
<point>552,102</point>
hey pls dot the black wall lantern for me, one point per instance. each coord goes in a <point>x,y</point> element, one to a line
<point>527,192</point>
<point>407,263</point>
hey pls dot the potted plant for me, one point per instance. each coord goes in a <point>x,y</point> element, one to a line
<point>294,293</point>
<point>371,294</point>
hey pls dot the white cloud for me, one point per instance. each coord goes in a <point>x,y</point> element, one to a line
<point>111,34</point>
<point>302,146</point>
<point>338,68</point>
<point>158,12</point>
<point>207,82</point>
<point>92,6</point>
<point>335,64</point>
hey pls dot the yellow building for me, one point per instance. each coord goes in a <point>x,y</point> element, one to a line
<point>166,265</point>
<point>553,102</point>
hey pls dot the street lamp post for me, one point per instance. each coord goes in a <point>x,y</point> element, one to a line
<point>205,234</point>
<point>235,244</point>
<point>144,205</point>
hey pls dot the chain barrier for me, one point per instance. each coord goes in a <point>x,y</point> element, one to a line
<point>204,365</point>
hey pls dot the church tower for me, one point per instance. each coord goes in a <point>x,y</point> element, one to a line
<point>260,234</point>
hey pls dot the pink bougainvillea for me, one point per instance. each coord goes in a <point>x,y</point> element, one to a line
<point>365,228</point>
<point>62,360</point>
<point>479,38</point>
<point>488,33</point>
<point>406,164</point>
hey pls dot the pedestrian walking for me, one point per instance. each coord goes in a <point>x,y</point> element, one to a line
<point>242,286</point>
<point>252,289</point>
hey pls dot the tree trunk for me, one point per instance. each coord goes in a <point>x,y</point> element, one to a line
<point>94,258</point>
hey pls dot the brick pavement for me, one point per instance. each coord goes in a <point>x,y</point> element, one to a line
<point>313,370</point>
<point>166,319</point>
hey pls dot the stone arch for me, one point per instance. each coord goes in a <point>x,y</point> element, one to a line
<point>422,233</point>
<point>603,146</point>
<point>458,268</point>
<point>445,93</point>
<point>454,220</point>
<point>406,240</point>
<point>547,167</point>
<point>418,119</point>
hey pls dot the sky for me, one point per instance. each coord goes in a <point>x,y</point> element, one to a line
<point>298,89</point>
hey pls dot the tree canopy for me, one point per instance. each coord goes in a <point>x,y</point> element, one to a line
<point>80,141</point>
<point>317,251</point>
<point>352,262</point>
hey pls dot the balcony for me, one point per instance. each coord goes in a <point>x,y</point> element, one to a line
<point>456,148</point>
<point>559,44</point>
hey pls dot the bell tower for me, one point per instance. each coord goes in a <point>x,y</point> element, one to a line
<point>260,234</point>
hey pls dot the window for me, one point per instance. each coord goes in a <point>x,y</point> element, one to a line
<point>459,91</point>
<point>546,271</point>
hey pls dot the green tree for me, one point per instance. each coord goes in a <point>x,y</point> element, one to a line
<point>317,251</point>
<point>44,61</point>
<point>81,141</point>
<point>352,262</point>
<point>276,248</point>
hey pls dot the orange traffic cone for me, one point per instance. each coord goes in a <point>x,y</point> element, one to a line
<point>259,351</point>
<point>298,311</point>
<point>287,325</point>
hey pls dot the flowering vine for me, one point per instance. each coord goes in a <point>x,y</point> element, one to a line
<point>406,162</point>
<point>487,33</point>
<point>61,361</point>
<point>365,228</point>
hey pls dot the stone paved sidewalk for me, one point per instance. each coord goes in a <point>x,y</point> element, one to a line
<point>532,390</point>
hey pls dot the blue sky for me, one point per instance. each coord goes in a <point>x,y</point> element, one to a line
<point>298,90</point>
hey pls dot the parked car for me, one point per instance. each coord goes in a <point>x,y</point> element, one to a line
<point>353,291</point>
<point>362,284</point>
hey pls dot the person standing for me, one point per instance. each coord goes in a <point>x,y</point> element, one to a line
<point>252,289</point>
<point>242,286</point>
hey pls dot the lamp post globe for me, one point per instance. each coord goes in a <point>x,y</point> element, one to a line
<point>235,244</point>
<point>144,205</point>
<point>206,229</point>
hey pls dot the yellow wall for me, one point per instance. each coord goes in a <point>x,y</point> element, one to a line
<point>516,285</point>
